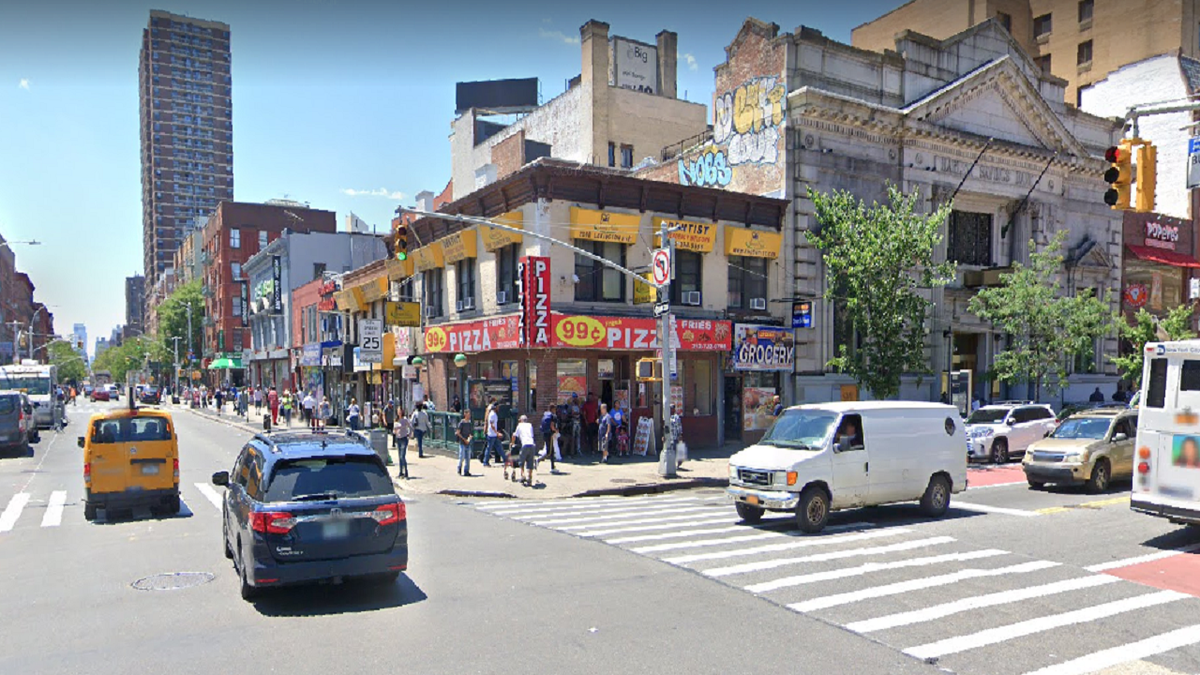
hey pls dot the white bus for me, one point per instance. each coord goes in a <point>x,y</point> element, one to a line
<point>1166,477</point>
<point>40,382</point>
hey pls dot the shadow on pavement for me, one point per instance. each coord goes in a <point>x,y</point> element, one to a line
<point>1184,536</point>
<point>358,595</point>
<point>1116,487</point>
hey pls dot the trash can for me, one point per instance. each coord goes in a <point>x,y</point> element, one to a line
<point>379,443</point>
<point>267,422</point>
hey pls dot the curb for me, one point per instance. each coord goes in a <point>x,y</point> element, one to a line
<point>654,488</point>
<point>476,493</point>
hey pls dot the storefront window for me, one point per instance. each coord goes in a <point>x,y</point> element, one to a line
<point>747,283</point>
<point>488,370</point>
<point>532,369</point>
<point>686,285</point>
<point>1162,285</point>
<point>572,378</point>
<point>599,283</point>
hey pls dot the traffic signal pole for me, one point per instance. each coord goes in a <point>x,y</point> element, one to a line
<point>667,464</point>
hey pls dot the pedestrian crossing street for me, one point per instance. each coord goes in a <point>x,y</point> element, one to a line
<point>970,609</point>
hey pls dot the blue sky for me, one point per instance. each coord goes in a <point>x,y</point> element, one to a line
<point>328,97</point>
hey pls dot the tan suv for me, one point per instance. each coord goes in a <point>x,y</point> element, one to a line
<point>1092,448</point>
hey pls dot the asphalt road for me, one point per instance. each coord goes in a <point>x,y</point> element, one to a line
<point>483,594</point>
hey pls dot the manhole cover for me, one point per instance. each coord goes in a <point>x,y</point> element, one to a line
<point>623,480</point>
<point>172,581</point>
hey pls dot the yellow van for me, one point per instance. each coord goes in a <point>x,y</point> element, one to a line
<point>130,458</point>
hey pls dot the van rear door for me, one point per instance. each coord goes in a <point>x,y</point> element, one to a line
<point>151,452</point>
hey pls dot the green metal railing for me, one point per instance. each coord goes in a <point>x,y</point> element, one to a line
<point>442,426</point>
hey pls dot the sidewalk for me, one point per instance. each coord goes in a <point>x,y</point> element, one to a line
<point>576,477</point>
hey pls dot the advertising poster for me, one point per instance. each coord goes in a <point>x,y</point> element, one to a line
<point>763,348</point>
<point>1156,291</point>
<point>641,439</point>
<point>757,407</point>
<point>621,399</point>
<point>1186,452</point>
<point>571,384</point>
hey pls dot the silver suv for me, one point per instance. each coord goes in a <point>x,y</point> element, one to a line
<point>1004,430</point>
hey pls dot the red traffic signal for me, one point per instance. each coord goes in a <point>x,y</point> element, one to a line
<point>1113,155</point>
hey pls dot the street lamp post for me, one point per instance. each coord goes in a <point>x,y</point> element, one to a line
<point>31,320</point>
<point>175,350</point>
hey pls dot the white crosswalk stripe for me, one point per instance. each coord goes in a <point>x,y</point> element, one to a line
<point>54,509</point>
<point>929,595</point>
<point>210,494</point>
<point>12,512</point>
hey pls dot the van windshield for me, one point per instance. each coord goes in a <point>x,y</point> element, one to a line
<point>1082,429</point>
<point>803,429</point>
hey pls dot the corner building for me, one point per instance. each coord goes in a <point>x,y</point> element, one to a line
<point>973,118</point>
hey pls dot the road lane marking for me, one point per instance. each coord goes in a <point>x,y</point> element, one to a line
<point>728,530</point>
<point>978,602</point>
<point>724,520</point>
<point>917,585</point>
<point>544,512</point>
<point>804,542</point>
<point>999,634</point>
<point>54,509</point>
<point>1133,651</point>
<point>985,508</point>
<point>700,543</point>
<point>498,506</point>
<point>1085,505</point>
<point>822,557</point>
<point>13,511</point>
<point>1150,557</point>
<point>636,521</point>
<point>209,493</point>
<point>866,568</point>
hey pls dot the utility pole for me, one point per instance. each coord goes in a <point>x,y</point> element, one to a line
<point>667,463</point>
<point>175,350</point>
<point>16,341</point>
<point>191,351</point>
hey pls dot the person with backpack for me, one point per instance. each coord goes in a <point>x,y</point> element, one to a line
<point>549,429</point>
<point>420,423</point>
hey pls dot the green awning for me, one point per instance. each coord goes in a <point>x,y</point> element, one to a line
<point>224,363</point>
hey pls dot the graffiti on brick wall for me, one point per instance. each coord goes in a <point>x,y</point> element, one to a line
<point>709,169</point>
<point>748,121</point>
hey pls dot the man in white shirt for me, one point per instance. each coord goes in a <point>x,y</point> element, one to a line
<point>527,460</point>
<point>492,441</point>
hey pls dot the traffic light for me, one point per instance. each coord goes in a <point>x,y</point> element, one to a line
<point>1119,175</point>
<point>402,242</point>
<point>1147,169</point>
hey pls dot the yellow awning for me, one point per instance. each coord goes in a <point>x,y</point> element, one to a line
<point>459,246</point>
<point>399,269</point>
<point>347,301</point>
<point>752,243</point>
<point>595,225</point>
<point>494,239</point>
<point>429,257</point>
<point>699,237</point>
<point>375,289</point>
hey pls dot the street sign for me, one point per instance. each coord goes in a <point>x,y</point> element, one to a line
<point>370,340</point>
<point>802,314</point>
<point>1193,176</point>
<point>662,266</point>
<point>661,308</point>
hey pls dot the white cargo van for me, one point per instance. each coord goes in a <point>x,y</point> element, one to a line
<point>829,456</point>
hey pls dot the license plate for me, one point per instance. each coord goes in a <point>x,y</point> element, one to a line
<point>149,469</point>
<point>336,529</point>
<point>752,500</point>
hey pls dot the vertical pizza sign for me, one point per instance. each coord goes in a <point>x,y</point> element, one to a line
<point>535,301</point>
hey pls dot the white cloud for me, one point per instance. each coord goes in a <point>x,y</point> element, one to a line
<point>691,62</point>
<point>380,192</point>
<point>24,84</point>
<point>558,36</point>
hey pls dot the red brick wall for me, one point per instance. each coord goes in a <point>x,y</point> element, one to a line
<point>509,154</point>
<point>304,296</point>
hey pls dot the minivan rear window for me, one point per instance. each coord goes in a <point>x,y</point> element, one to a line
<point>127,430</point>
<point>341,476</point>
<point>1156,391</point>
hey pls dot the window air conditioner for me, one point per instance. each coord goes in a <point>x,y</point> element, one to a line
<point>468,303</point>
<point>430,311</point>
<point>758,303</point>
<point>458,306</point>
<point>501,297</point>
<point>691,298</point>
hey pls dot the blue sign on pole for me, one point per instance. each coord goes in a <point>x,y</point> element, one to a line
<point>802,314</point>
<point>1193,175</point>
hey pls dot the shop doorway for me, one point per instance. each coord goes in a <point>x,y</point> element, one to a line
<point>733,408</point>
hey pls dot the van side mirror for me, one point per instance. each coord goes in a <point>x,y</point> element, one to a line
<point>1117,438</point>
<point>80,441</point>
<point>221,478</point>
<point>842,445</point>
<point>1010,421</point>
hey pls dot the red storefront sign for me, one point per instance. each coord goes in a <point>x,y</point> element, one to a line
<point>474,336</point>
<point>628,333</point>
<point>326,303</point>
<point>1161,235</point>
<point>534,273</point>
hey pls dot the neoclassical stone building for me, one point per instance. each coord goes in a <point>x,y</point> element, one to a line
<point>971,117</point>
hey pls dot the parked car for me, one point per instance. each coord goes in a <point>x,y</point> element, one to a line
<point>814,459</point>
<point>311,506</point>
<point>17,426</point>
<point>1092,448</point>
<point>1001,431</point>
<point>101,394</point>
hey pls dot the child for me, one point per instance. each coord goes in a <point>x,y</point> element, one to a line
<point>622,440</point>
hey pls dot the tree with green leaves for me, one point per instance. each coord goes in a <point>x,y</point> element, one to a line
<point>130,355</point>
<point>1045,327</point>
<point>1176,325</point>
<point>70,364</point>
<point>878,263</point>
<point>173,322</point>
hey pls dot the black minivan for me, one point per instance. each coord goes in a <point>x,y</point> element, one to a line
<point>17,427</point>
<point>311,506</point>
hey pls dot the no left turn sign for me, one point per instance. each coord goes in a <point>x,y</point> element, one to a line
<point>662,266</point>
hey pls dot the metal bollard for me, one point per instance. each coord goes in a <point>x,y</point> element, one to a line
<point>266,422</point>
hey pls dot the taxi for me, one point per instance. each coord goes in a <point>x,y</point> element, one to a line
<point>130,459</point>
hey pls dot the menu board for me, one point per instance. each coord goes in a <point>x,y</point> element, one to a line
<point>641,440</point>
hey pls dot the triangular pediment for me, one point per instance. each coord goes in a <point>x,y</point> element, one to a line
<point>1096,257</point>
<point>997,100</point>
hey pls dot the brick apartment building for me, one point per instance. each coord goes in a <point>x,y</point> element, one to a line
<point>234,233</point>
